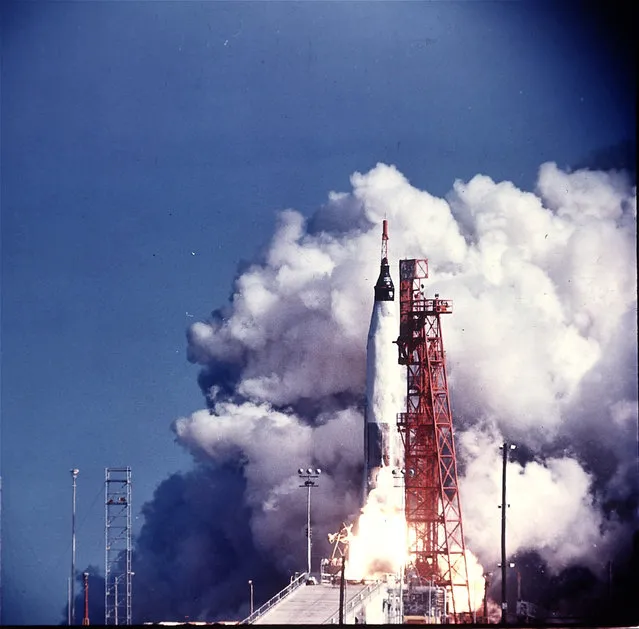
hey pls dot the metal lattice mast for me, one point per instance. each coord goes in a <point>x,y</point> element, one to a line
<point>432,506</point>
<point>117,543</point>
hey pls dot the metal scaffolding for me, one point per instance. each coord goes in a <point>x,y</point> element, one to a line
<point>117,543</point>
<point>433,509</point>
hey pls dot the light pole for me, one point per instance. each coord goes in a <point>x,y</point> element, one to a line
<point>85,581</point>
<point>251,590</point>
<point>309,476</point>
<point>68,601</point>
<point>74,476</point>
<point>505,447</point>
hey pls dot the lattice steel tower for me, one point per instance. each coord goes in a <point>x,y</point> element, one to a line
<point>432,506</point>
<point>117,541</point>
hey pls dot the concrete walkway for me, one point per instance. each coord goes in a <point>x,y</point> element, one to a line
<point>308,605</point>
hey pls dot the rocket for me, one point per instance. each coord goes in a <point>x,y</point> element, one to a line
<point>383,380</point>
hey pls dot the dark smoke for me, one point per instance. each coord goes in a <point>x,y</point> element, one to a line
<point>195,553</point>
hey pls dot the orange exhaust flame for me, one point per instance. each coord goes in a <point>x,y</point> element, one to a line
<point>379,545</point>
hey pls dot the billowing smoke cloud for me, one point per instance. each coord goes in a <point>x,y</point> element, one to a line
<point>195,553</point>
<point>541,350</point>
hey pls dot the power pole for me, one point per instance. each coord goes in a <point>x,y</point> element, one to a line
<point>342,587</point>
<point>504,601</point>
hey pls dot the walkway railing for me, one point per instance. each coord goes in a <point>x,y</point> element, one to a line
<point>292,586</point>
<point>362,596</point>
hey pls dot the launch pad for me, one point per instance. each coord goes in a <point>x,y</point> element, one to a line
<point>410,566</point>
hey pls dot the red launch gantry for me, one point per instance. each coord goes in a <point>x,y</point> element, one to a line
<point>432,506</point>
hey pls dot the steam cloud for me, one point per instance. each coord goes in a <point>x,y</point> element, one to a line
<point>541,350</point>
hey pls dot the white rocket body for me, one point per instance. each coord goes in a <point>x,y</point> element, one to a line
<point>384,390</point>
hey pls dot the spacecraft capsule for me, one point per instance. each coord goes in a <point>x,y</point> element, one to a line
<point>384,288</point>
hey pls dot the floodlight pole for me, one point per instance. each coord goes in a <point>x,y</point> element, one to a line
<point>74,476</point>
<point>85,577</point>
<point>309,477</point>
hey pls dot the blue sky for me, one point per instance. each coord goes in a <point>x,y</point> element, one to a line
<point>146,148</point>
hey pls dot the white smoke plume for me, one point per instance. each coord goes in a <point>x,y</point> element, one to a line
<point>553,510</point>
<point>273,445</point>
<point>541,350</point>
